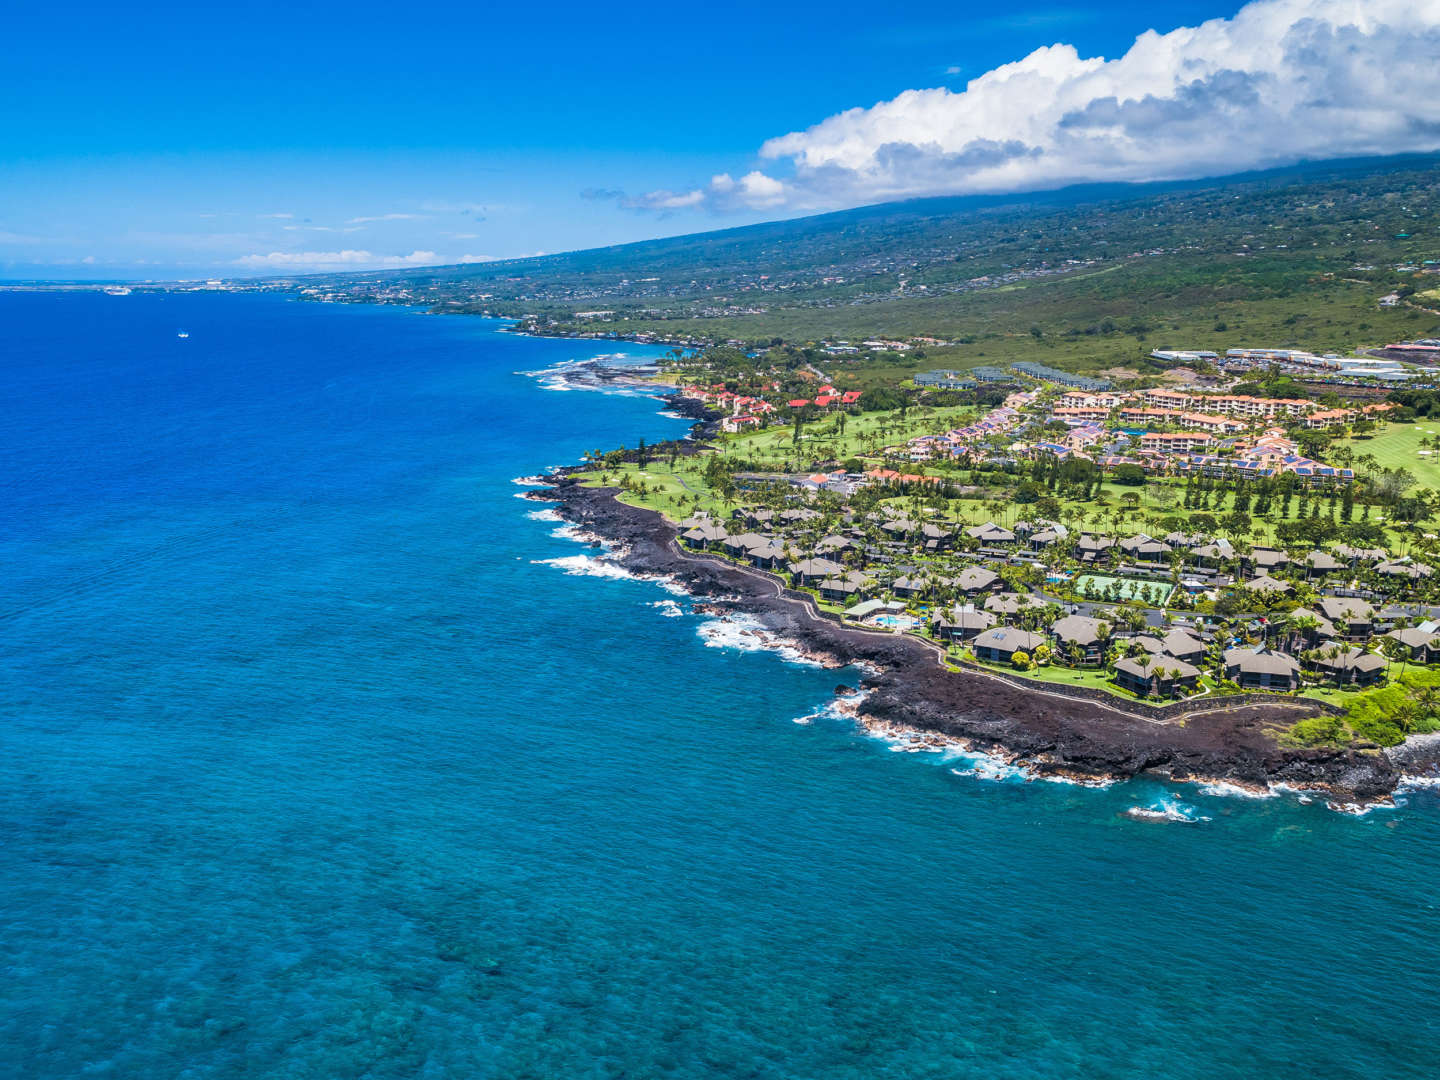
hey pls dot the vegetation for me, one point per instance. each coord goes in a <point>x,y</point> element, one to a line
<point>1384,716</point>
<point>1086,278</point>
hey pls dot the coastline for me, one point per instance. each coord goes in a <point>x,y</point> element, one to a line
<point>909,696</point>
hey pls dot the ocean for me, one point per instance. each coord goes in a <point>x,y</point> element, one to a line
<point>324,756</point>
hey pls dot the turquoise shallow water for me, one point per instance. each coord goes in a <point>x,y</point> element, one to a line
<point>313,766</point>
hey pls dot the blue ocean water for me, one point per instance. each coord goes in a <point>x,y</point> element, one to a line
<point>321,757</point>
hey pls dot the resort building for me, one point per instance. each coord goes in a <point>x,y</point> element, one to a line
<point>1156,676</point>
<point>1261,669</point>
<point>1002,643</point>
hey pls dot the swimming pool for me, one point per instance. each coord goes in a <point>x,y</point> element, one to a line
<point>895,622</point>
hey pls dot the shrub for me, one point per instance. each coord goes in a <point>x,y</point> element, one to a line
<point>1318,731</point>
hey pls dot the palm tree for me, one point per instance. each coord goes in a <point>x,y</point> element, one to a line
<point>1302,628</point>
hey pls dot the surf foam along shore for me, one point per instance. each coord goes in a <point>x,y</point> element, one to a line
<point>909,686</point>
<point>614,373</point>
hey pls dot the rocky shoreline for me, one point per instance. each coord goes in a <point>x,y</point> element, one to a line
<point>909,695</point>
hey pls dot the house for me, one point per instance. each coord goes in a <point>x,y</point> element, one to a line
<point>977,579</point>
<point>1265,559</point>
<point>1146,643</point>
<point>1297,633</point>
<point>1422,646</point>
<point>1319,564</point>
<point>1079,638</point>
<point>809,571</point>
<point>1000,644</point>
<point>739,423</point>
<point>1353,619</point>
<point>767,556</point>
<point>1180,442</point>
<point>841,590</point>
<point>936,537</point>
<point>1219,425</point>
<point>1353,555</point>
<point>1213,554</point>
<point>1183,645</point>
<point>914,585</point>
<point>991,534</point>
<point>1008,603</point>
<point>1404,568</point>
<point>705,537</point>
<point>798,514</point>
<point>1039,541</point>
<point>740,543</point>
<point>1185,540</point>
<point>961,625</point>
<point>1265,585</point>
<point>1328,418</point>
<point>1352,666</point>
<point>1093,548</point>
<point>1144,548</point>
<point>1261,669</point>
<point>1158,676</point>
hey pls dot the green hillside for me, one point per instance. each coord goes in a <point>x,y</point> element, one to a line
<point>1089,276</point>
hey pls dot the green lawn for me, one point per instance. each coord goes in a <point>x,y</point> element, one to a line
<point>670,491</point>
<point>864,435</point>
<point>1397,446</point>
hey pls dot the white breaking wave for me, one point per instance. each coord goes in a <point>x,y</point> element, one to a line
<point>669,608</point>
<point>745,634</point>
<point>981,766</point>
<point>557,377</point>
<point>1225,790</point>
<point>589,566</point>
<point>1167,810</point>
<point>547,514</point>
<point>841,708</point>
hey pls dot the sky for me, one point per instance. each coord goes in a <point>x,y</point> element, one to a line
<point>253,139</point>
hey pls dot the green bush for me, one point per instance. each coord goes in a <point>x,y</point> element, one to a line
<point>1319,731</point>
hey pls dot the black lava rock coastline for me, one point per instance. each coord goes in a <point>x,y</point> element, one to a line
<point>1046,731</point>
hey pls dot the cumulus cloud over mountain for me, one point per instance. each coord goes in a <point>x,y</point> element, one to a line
<point>1282,81</point>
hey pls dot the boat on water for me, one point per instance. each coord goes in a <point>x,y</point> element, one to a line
<point>183,333</point>
<point>117,290</point>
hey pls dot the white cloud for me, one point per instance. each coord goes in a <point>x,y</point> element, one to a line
<point>332,260</point>
<point>1281,81</point>
<point>477,258</point>
<point>282,217</point>
<point>384,217</point>
<point>753,191</point>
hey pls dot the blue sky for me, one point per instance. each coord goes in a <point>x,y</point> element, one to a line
<point>200,140</point>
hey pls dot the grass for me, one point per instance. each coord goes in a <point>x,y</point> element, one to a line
<point>1398,446</point>
<point>863,435</point>
<point>668,491</point>
<point>1094,678</point>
